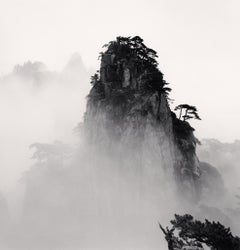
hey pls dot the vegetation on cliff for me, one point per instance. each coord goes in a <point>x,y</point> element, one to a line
<point>130,93</point>
<point>127,64</point>
<point>194,234</point>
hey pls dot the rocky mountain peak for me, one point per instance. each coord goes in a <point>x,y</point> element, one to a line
<point>128,63</point>
<point>75,65</point>
<point>128,106</point>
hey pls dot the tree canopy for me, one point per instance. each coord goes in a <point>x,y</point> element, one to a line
<point>194,232</point>
<point>140,59</point>
<point>129,47</point>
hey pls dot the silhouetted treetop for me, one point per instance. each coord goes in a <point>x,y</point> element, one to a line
<point>194,232</point>
<point>127,47</point>
<point>190,112</point>
<point>128,62</point>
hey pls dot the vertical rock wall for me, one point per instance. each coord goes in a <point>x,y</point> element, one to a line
<point>126,109</point>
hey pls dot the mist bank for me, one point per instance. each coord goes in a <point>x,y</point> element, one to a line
<point>92,197</point>
<point>130,162</point>
<point>38,105</point>
<point>225,157</point>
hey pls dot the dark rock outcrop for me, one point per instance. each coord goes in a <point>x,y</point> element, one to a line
<point>128,113</point>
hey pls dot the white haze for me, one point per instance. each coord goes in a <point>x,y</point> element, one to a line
<point>81,196</point>
<point>72,195</point>
<point>86,200</point>
<point>197,43</point>
<point>37,111</point>
<point>70,203</point>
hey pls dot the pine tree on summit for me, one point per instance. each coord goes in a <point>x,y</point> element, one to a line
<point>133,55</point>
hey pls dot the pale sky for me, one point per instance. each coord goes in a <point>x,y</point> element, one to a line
<point>198,43</point>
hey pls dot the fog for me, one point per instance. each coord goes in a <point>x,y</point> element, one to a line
<point>197,43</point>
<point>37,105</point>
<point>60,192</point>
<point>225,157</point>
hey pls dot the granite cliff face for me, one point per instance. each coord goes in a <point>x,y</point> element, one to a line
<point>128,115</point>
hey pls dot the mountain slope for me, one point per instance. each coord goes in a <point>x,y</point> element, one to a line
<point>128,108</point>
